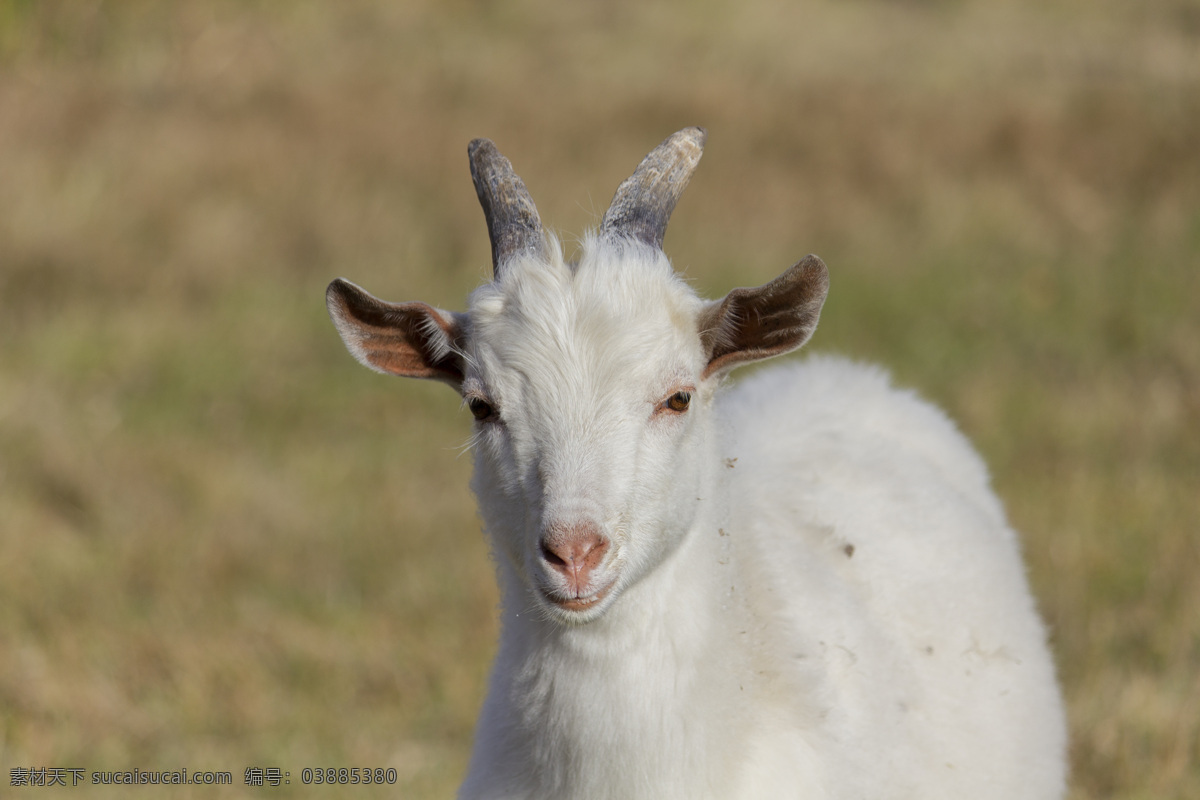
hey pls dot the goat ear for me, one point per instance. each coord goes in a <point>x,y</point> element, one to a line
<point>778,317</point>
<point>413,340</point>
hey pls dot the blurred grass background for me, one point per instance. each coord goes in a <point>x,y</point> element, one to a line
<point>223,544</point>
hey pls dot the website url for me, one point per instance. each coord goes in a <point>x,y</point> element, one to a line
<point>176,777</point>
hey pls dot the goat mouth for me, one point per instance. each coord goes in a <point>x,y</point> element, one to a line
<point>578,603</point>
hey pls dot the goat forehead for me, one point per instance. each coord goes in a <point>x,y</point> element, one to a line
<point>616,320</point>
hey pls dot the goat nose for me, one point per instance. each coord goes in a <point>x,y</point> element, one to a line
<point>574,551</point>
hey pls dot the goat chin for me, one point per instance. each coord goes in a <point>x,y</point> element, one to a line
<point>800,586</point>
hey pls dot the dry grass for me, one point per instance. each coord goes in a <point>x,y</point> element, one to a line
<point>225,545</point>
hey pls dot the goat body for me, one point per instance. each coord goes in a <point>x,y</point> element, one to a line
<point>801,587</point>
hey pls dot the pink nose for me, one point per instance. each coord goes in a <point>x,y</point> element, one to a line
<point>574,551</point>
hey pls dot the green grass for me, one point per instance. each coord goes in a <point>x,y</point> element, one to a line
<point>223,544</point>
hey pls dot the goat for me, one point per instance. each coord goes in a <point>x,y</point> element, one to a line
<point>799,588</point>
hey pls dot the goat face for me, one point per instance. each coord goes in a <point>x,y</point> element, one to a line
<point>590,383</point>
<point>587,386</point>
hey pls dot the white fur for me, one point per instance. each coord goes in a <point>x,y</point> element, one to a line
<point>816,592</point>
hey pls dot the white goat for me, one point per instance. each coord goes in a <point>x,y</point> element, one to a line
<point>800,588</point>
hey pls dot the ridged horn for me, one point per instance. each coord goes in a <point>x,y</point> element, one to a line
<point>642,206</point>
<point>512,219</point>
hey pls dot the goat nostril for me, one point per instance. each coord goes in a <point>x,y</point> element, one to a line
<point>551,557</point>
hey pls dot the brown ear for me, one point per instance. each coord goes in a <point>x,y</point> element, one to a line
<point>413,340</point>
<point>752,324</point>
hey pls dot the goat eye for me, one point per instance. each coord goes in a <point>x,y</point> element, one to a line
<point>679,401</point>
<point>481,409</point>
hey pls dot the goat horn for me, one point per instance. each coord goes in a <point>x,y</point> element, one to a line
<point>643,204</point>
<point>512,219</point>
